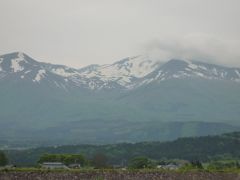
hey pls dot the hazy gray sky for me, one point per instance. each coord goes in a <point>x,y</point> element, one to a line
<point>82,32</point>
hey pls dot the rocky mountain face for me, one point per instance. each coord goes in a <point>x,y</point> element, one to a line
<point>128,73</point>
<point>95,77</point>
<point>134,99</point>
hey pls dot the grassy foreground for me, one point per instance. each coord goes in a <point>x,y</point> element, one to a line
<point>115,174</point>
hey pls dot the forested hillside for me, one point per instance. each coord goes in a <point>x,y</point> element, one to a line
<point>195,148</point>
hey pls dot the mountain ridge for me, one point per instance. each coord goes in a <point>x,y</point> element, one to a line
<point>128,73</point>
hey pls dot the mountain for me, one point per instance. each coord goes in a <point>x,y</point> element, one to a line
<point>128,73</point>
<point>134,99</point>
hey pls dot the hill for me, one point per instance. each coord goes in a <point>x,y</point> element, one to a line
<point>193,148</point>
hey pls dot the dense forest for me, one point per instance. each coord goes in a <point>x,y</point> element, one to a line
<point>194,148</point>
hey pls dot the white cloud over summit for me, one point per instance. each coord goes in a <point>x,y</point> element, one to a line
<point>200,47</point>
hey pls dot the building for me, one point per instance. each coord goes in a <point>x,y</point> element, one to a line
<point>169,167</point>
<point>53,165</point>
<point>74,166</point>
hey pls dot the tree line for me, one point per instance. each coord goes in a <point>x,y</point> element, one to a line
<point>204,149</point>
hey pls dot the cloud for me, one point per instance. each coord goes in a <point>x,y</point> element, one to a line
<point>201,47</point>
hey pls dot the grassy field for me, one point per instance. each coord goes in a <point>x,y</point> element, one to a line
<point>114,174</point>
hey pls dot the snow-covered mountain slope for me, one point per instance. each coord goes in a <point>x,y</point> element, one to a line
<point>119,75</point>
<point>180,69</point>
<point>128,73</point>
<point>123,72</point>
<point>19,67</point>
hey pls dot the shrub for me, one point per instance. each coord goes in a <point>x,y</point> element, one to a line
<point>3,159</point>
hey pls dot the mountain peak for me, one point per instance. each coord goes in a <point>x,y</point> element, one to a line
<point>14,55</point>
<point>20,54</point>
<point>123,72</point>
<point>13,62</point>
<point>182,69</point>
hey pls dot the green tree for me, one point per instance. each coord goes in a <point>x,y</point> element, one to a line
<point>140,163</point>
<point>237,165</point>
<point>75,158</point>
<point>197,164</point>
<point>99,161</point>
<point>49,158</point>
<point>3,159</point>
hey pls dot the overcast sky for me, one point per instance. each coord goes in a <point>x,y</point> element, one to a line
<point>82,32</point>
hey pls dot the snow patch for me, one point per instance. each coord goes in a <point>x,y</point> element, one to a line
<point>15,63</point>
<point>16,66</point>
<point>58,85</point>
<point>176,76</point>
<point>1,60</point>
<point>162,79</point>
<point>41,73</point>
<point>203,67</point>
<point>199,74</point>
<point>89,75</point>
<point>222,75</point>
<point>26,72</point>
<point>214,70</point>
<point>159,74</point>
<point>187,69</point>
<point>62,72</point>
<point>91,85</point>
<point>237,72</point>
<point>184,74</point>
<point>192,66</point>
<point>146,81</point>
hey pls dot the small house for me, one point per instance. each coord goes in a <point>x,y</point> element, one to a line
<point>74,166</point>
<point>53,165</point>
<point>169,167</point>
